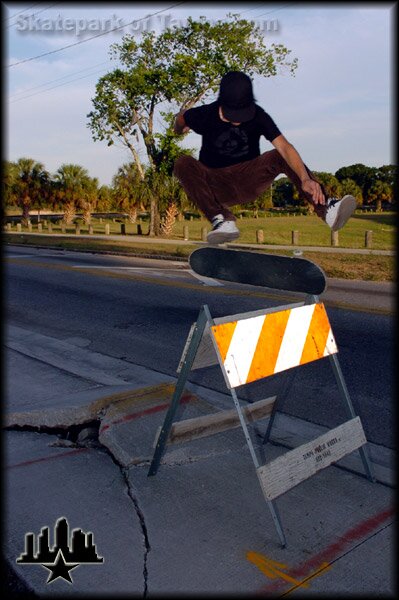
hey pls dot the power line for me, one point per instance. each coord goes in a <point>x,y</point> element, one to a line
<point>56,86</point>
<point>251,9</point>
<point>35,14</point>
<point>58,79</point>
<point>272,11</point>
<point>12,99</point>
<point>95,36</point>
<point>21,11</point>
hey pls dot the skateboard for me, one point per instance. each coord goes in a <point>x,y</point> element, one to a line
<point>258,268</point>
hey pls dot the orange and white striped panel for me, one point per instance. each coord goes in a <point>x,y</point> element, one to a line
<point>258,347</point>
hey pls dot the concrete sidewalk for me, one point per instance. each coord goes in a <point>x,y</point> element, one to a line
<point>80,435</point>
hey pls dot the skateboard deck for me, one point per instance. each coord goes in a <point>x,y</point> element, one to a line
<point>258,268</point>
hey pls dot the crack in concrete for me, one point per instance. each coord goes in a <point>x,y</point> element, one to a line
<point>140,515</point>
<point>69,437</point>
<point>84,426</point>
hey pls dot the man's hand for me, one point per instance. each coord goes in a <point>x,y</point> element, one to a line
<point>293,159</point>
<point>313,188</point>
<point>180,126</point>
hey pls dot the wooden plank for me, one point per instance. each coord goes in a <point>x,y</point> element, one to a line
<point>290,469</point>
<point>198,427</point>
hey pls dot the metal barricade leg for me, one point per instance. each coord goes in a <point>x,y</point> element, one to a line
<point>336,367</point>
<point>201,323</point>
<point>272,506</point>
<point>289,377</point>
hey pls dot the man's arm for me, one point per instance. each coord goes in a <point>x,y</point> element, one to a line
<point>180,125</point>
<point>292,157</point>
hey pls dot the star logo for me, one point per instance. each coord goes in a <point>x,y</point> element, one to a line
<point>60,568</point>
<point>67,552</point>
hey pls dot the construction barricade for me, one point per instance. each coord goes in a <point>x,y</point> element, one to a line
<point>249,347</point>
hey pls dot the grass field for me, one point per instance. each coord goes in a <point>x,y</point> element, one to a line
<point>276,231</point>
<point>312,231</point>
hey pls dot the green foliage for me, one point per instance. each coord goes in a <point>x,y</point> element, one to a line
<point>166,190</point>
<point>104,199</point>
<point>168,146</point>
<point>283,192</point>
<point>348,186</point>
<point>366,177</point>
<point>27,184</point>
<point>180,66</point>
<point>330,183</point>
<point>358,172</point>
<point>388,174</point>
<point>73,186</point>
<point>127,188</point>
<point>379,192</point>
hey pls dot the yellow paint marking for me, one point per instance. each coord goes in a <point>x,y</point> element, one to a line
<point>271,568</point>
<point>276,570</point>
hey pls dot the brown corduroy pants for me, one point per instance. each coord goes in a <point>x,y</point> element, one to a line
<point>215,190</point>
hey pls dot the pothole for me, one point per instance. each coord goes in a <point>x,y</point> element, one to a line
<point>83,435</point>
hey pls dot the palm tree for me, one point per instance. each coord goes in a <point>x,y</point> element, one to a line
<point>104,198</point>
<point>379,192</point>
<point>349,186</point>
<point>168,197</point>
<point>10,171</point>
<point>29,184</point>
<point>74,189</point>
<point>128,190</point>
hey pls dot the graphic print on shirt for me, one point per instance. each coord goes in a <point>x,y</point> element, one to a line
<point>233,142</point>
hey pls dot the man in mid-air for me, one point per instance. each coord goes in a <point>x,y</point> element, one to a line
<point>231,170</point>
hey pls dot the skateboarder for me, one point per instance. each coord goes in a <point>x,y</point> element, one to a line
<point>231,170</point>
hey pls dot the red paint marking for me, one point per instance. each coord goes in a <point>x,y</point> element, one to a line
<point>26,463</point>
<point>147,411</point>
<point>357,532</point>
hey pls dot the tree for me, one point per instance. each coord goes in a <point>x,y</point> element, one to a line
<point>330,183</point>
<point>363,176</point>
<point>283,190</point>
<point>74,189</point>
<point>348,186</point>
<point>10,172</point>
<point>167,193</point>
<point>104,199</point>
<point>128,190</point>
<point>379,192</point>
<point>179,67</point>
<point>387,173</point>
<point>28,184</point>
<point>169,148</point>
<point>263,202</point>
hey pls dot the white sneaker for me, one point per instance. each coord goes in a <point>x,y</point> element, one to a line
<point>339,211</point>
<point>222,231</point>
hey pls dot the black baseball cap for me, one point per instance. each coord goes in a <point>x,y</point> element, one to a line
<point>236,97</point>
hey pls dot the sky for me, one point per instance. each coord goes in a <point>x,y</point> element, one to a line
<point>337,110</point>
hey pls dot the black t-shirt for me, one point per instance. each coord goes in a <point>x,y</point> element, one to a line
<point>224,144</point>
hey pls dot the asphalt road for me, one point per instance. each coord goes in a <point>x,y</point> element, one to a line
<point>141,311</point>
